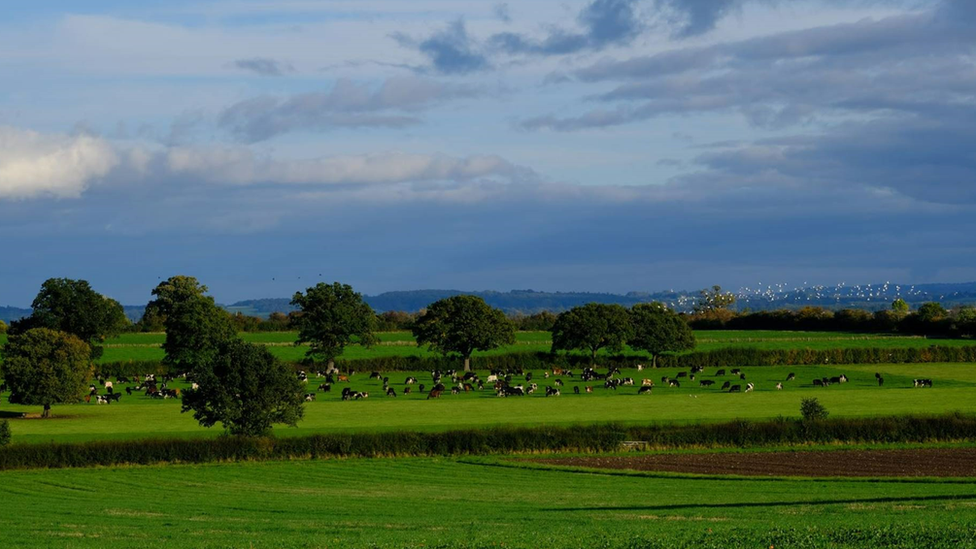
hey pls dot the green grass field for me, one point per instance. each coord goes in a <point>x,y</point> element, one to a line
<point>139,417</point>
<point>138,347</point>
<point>474,502</point>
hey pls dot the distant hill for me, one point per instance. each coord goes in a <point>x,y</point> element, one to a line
<point>8,314</point>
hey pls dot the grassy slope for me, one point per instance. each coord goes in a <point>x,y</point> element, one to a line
<point>463,503</point>
<point>140,417</point>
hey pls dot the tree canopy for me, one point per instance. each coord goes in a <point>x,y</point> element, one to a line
<point>331,316</point>
<point>72,306</point>
<point>900,306</point>
<point>195,325</point>
<point>714,298</point>
<point>246,389</point>
<point>592,327</point>
<point>463,324</point>
<point>657,329</point>
<point>42,367</point>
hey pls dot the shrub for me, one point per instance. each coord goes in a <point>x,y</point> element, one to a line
<point>4,433</point>
<point>812,410</point>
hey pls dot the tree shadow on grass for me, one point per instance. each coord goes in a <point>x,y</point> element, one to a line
<point>678,507</point>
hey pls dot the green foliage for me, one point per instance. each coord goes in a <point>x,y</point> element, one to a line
<point>72,306</point>
<point>246,389</point>
<point>463,324</point>
<point>900,306</point>
<point>4,433</point>
<point>3,327</point>
<point>812,410</point>
<point>538,322</point>
<point>658,329</point>
<point>592,327</point>
<point>45,367</point>
<point>195,325</point>
<point>331,316</point>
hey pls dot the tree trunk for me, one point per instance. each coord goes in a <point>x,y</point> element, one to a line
<point>47,411</point>
<point>653,361</point>
<point>467,364</point>
<point>593,358</point>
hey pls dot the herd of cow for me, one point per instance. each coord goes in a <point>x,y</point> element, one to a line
<point>503,383</point>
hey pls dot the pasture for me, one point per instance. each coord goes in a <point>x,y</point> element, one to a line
<point>146,346</point>
<point>138,416</point>
<point>470,503</point>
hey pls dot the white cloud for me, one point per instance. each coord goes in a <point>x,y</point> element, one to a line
<point>34,164</point>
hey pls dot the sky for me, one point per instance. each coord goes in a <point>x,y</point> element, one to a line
<point>597,145</point>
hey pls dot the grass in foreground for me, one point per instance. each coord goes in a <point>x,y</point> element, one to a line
<point>468,503</point>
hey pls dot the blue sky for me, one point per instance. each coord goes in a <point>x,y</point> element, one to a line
<point>600,145</point>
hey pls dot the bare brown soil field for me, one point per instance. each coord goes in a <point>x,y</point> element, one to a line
<point>928,462</point>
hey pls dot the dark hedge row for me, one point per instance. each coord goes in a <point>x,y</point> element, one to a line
<point>730,357</point>
<point>591,438</point>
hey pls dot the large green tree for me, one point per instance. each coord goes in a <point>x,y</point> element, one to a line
<point>245,388</point>
<point>195,325</point>
<point>72,306</point>
<point>592,327</point>
<point>657,329</point>
<point>461,325</point>
<point>714,298</point>
<point>331,316</point>
<point>42,367</point>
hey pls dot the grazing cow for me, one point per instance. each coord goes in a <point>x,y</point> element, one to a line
<point>640,367</point>
<point>720,373</point>
<point>410,380</point>
<point>325,388</point>
<point>102,399</point>
<point>406,391</point>
<point>646,390</point>
<point>511,391</point>
<point>835,380</point>
<point>880,381</point>
<point>877,375</point>
<point>552,392</point>
<point>528,377</point>
<point>611,384</point>
<point>791,377</point>
<point>422,388</point>
<point>375,375</point>
<point>362,395</point>
<point>665,379</point>
<point>742,376</point>
<point>492,378</point>
<point>627,381</point>
<point>735,389</point>
<point>818,383</point>
<point>692,377</point>
<point>589,389</point>
<point>697,369</point>
<point>647,382</point>
<point>557,371</point>
<point>779,386</point>
<point>576,390</point>
<point>455,391</point>
<point>434,393</point>
<point>92,390</point>
<point>128,391</point>
<point>923,382</point>
<point>309,397</point>
<point>706,383</point>
<point>726,385</point>
<point>842,379</point>
<point>391,392</point>
<point>749,387</point>
<point>735,371</point>
<point>682,374</point>
<point>468,387</point>
<point>558,383</point>
<point>674,383</point>
<point>116,397</point>
<point>341,378</point>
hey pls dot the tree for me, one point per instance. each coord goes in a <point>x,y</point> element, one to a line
<point>195,325</point>
<point>245,388</point>
<point>4,433</point>
<point>463,324</point>
<point>72,306</point>
<point>332,315</point>
<point>812,410</point>
<point>3,327</point>
<point>657,329</point>
<point>964,321</point>
<point>592,327</point>
<point>714,298</point>
<point>900,306</point>
<point>43,367</point>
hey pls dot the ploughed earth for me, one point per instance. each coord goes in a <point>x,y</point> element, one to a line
<point>926,462</point>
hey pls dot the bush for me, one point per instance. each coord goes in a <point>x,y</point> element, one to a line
<point>3,327</point>
<point>812,410</point>
<point>4,433</point>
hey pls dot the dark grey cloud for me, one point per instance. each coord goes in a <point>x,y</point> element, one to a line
<point>346,105</point>
<point>903,64</point>
<point>450,50</point>
<point>603,22</point>
<point>264,66</point>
